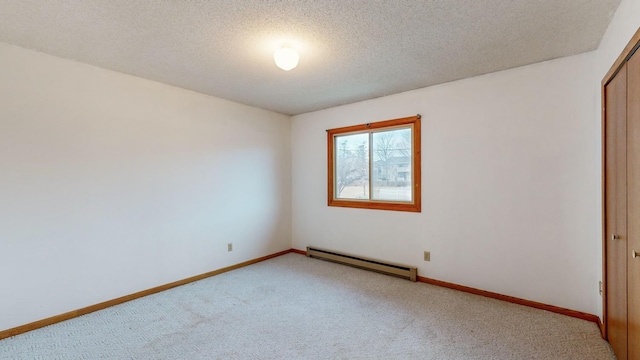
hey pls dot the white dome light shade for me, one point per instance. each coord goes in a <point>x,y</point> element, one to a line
<point>286,58</point>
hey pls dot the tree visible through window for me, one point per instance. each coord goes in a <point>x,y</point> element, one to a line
<point>376,165</point>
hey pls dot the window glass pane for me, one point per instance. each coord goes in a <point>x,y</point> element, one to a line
<point>352,166</point>
<point>392,165</point>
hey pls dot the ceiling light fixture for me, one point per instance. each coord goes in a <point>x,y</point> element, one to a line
<point>286,58</point>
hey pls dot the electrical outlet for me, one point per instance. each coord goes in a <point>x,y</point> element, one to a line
<point>230,247</point>
<point>427,256</point>
<point>600,287</point>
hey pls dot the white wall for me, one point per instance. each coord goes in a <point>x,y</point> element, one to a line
<point>510,183</point>
<point>111,184</point>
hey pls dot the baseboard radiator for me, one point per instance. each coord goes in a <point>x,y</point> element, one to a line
<point>403,271</point>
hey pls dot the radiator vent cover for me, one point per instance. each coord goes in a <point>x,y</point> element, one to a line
<point>399,270</point>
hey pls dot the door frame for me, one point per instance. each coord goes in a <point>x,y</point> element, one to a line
<point>628,51</point>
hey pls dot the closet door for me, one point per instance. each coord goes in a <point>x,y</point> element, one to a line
<point>616,211</point>
<point>633,191</point>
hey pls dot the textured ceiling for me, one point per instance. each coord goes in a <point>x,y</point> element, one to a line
<point>349,50</point>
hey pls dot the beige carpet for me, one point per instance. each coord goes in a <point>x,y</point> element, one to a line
<point>293,307</point>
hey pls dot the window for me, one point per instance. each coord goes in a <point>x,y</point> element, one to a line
<point>376,165</point>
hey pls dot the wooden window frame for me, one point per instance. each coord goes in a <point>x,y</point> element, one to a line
<point>416,204</point>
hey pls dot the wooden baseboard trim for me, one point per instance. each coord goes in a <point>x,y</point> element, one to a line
<point>103,305</point>
<point>511,299</point>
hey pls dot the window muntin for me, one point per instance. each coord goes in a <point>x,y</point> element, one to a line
<point>376,165</point>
